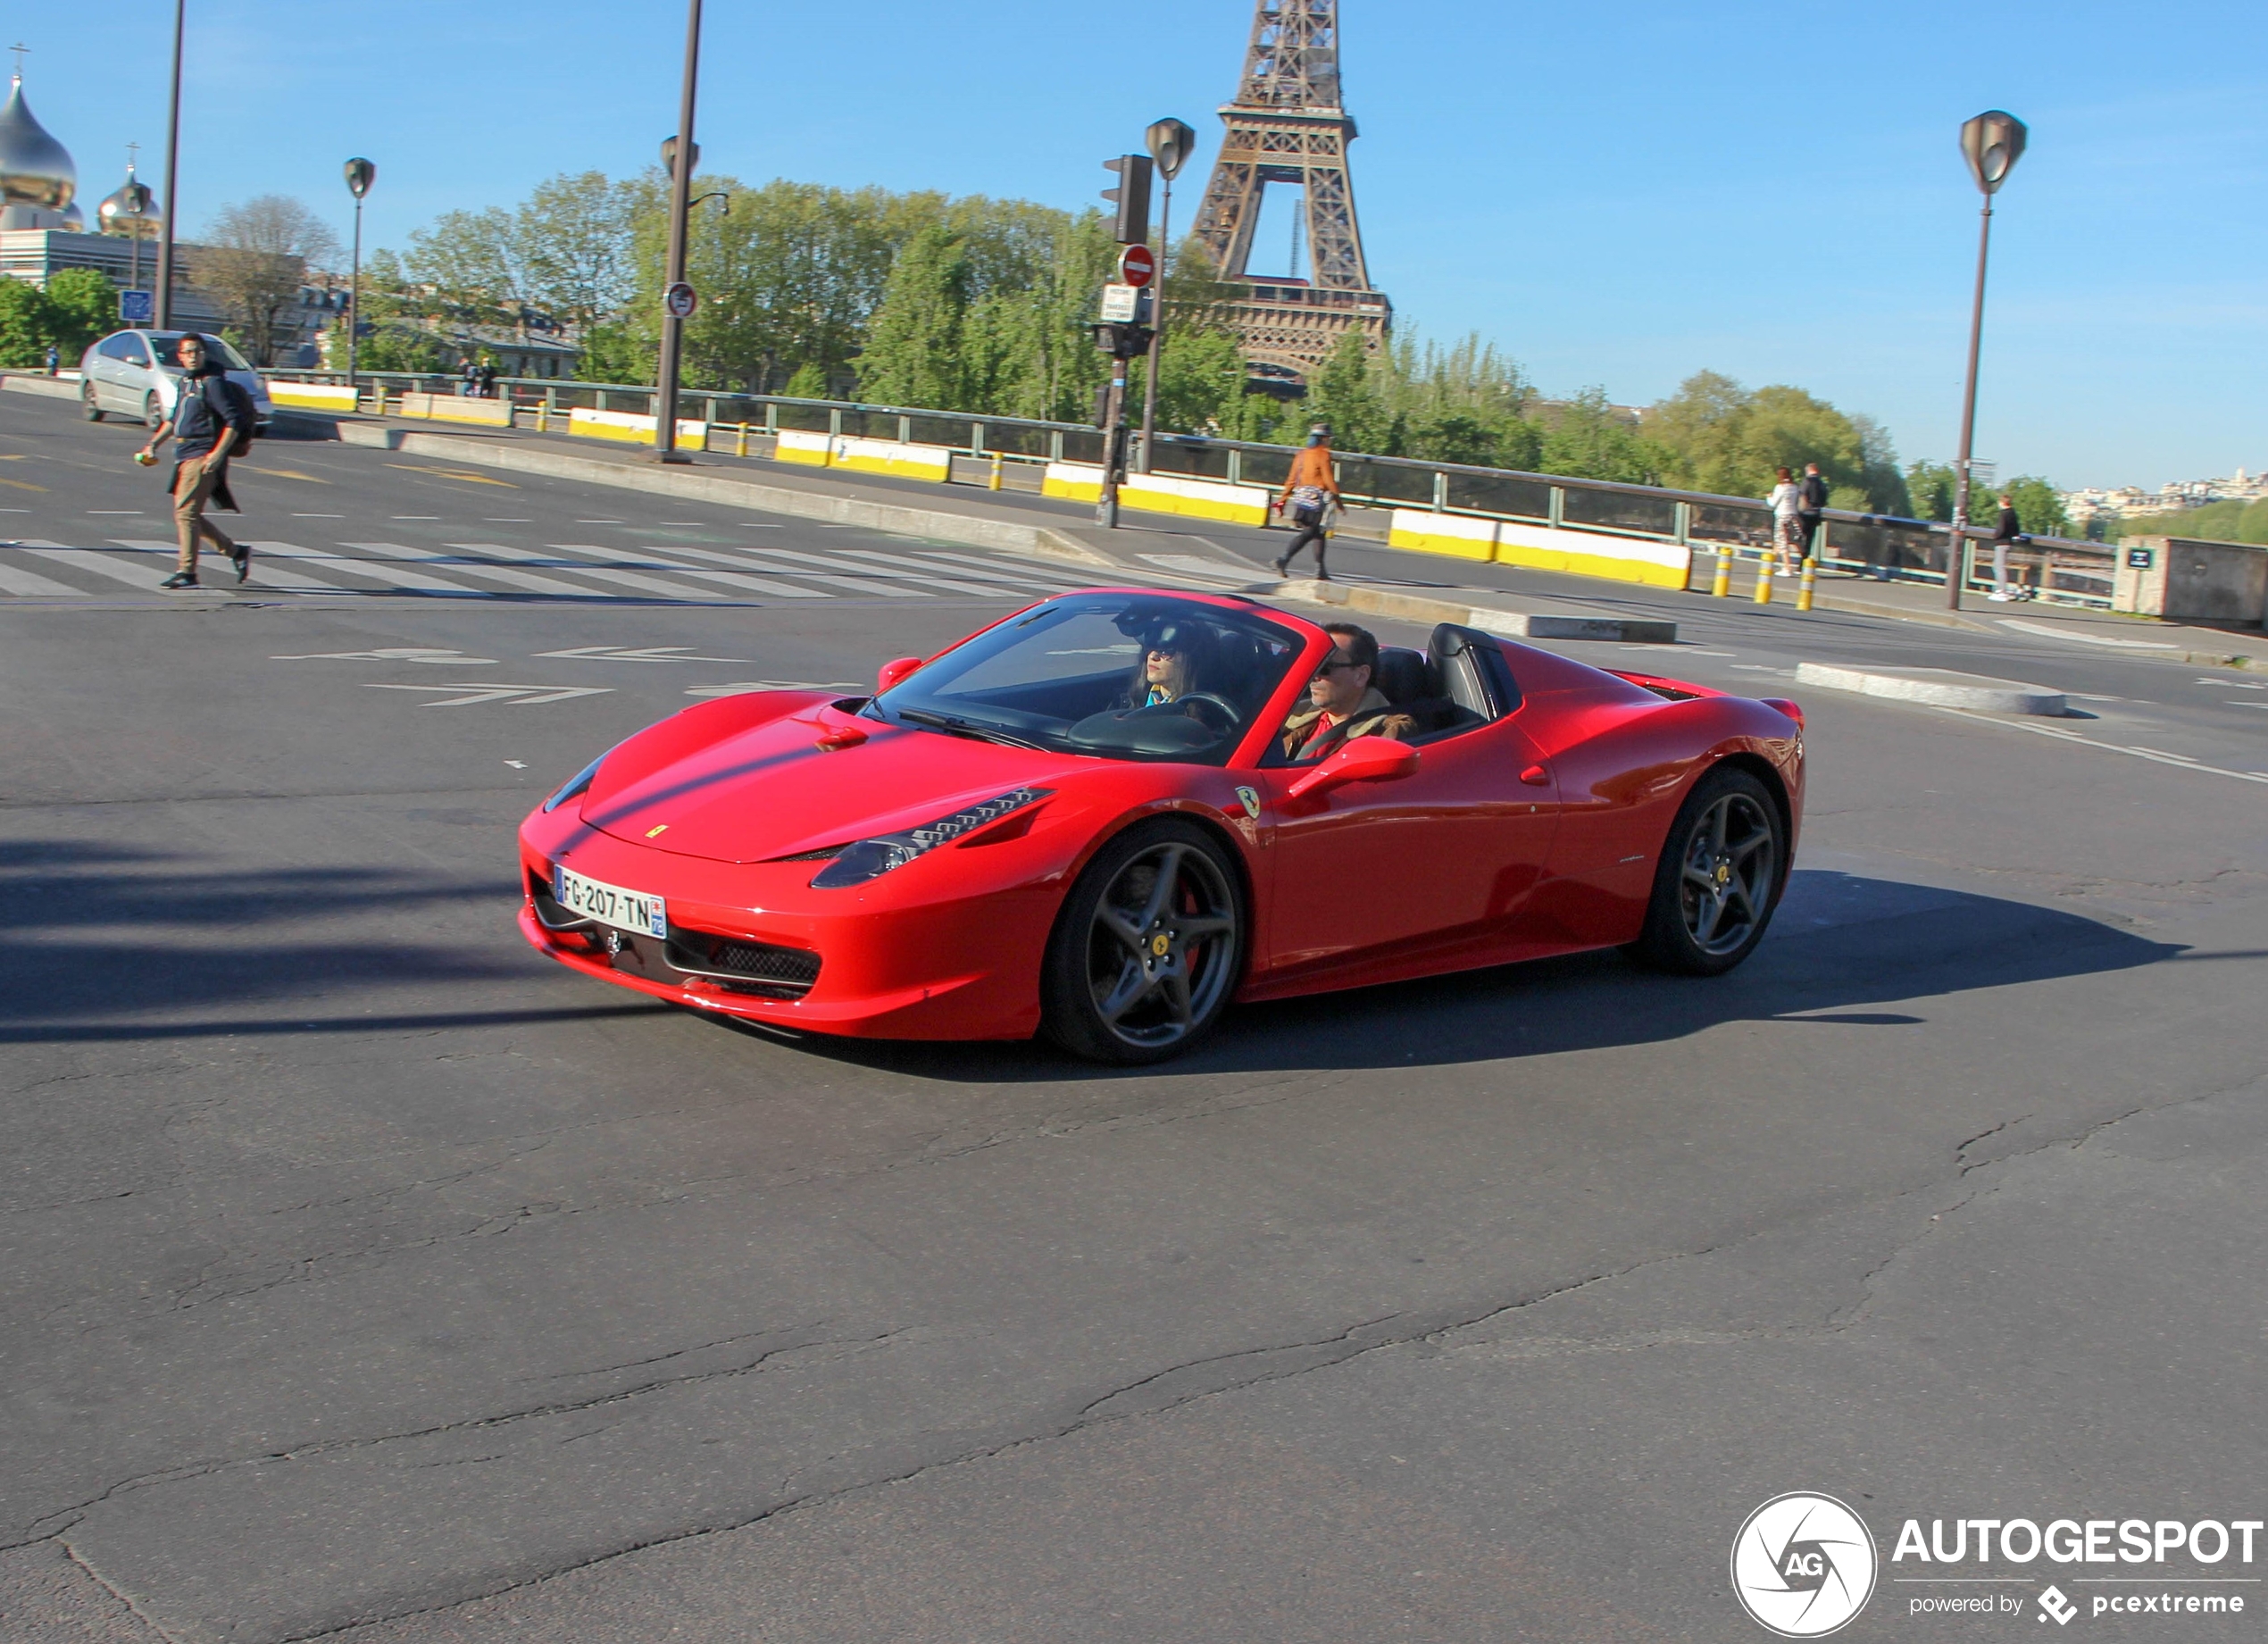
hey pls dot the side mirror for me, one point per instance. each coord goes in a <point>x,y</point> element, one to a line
<point>1365,759</point>
<point>895,671</point>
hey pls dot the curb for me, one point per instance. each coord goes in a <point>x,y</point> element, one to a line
<point>52,387</point>
<point>1512,625</point>
<point>1939,688</point>
<point>941,524</point>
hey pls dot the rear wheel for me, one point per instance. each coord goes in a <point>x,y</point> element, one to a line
<point>1719,878</point>
<point>1148,948</point>
<point>153,410</point>
<point>90,406</point>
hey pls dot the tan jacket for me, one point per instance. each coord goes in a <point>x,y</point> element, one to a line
<point>1310,465</point>
<point>1374,716</point>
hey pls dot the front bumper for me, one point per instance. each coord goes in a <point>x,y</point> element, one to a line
<point>939,955</point>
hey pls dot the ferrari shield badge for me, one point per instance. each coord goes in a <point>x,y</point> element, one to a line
<point>1249,798</point>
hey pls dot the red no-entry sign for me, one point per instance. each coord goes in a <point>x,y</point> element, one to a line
<point>1135,266</point>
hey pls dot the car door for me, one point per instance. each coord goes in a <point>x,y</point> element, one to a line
<point>1381,873</point>
<point>135,377</point>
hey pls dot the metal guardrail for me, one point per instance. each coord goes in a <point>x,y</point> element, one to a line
<point>2061,569</point>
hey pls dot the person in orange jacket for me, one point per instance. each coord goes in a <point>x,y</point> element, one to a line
<point>1311,490</point>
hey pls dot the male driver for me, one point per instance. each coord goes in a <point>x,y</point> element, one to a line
<point>1342,704</point>
<point>1310,491</point>
<point>211,416</point>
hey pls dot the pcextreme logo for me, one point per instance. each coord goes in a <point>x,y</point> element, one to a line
<point>1803,1565</point>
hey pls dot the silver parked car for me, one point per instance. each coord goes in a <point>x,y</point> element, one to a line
<point>138,373</point>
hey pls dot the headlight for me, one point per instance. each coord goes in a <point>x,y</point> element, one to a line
<point>579,786</point>
<point>871,858</point>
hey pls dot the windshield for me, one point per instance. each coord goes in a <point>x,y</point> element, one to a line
<point>1126,676</point>
<point>168,345</point>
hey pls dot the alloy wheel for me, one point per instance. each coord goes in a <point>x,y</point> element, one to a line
<point>1161,949</point>
<point>1725,883</point>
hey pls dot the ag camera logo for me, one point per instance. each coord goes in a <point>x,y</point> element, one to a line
<point>1803,1565</point>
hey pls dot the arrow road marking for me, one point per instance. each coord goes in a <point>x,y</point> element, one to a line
<point>520,695</point>
<point>739,686</point>
<point>647,654</point>
<point>395,654</point>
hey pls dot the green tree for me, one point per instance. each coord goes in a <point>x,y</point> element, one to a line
<point>2233,521</point>
<point>2039,507</point>
<point>23,326</point>
<point>917,347</point>
<point>1587,438</point>
<point>81,305</point>
<point>1344,395</point>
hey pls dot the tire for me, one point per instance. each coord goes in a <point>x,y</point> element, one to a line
<point>153,410</point>
<point>1147,948</point>
<point>1719,879</point>
<point>89,406</point>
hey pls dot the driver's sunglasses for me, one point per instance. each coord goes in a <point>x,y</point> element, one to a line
<point>1339,664</point>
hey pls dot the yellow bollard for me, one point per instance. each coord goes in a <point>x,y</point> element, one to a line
<point>740,446</point>
<point>994,483</point>
<point>1763,583</point>
<point>1804,588</point>
<point>543,417</point>
<point>1722,587</point>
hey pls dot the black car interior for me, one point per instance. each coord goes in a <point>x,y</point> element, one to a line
<point>1460,680</point>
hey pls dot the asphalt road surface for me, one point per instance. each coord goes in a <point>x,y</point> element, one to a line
<point>367,1276</point>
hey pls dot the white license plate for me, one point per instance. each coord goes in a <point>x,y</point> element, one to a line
<point>609,904</point>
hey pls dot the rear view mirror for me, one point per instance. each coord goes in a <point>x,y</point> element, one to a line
<point>1365,759</point>
<point>893,673</point>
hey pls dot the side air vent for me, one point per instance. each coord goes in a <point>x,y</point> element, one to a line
<point>745,966</point>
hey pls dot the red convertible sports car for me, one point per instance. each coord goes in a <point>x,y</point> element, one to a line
<point>1108,815</point>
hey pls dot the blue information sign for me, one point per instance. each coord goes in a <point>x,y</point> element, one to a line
<point>137,307</point>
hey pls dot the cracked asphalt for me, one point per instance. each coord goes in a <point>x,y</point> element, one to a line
<point>367,1278</point>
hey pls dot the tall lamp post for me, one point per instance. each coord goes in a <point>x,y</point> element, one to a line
<point>172,202</point>
<point>1992,143</point>
<point>360,175</point>
<point>1169,142</point>
<point>677,303</point>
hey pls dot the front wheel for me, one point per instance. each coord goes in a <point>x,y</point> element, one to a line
<point>1719,878</point>
<point>89,406</point>
<point>1148,948</point>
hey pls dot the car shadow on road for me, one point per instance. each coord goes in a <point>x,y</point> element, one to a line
<point>1841,947</point>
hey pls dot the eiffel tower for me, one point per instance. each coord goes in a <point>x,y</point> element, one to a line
<point>1288,126</point>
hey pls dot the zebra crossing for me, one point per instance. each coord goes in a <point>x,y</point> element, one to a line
<point>34,570</point>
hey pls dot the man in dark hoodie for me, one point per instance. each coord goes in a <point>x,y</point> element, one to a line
<point>212,416</point>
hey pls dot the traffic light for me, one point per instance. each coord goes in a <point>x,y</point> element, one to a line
<point>1132,197</point>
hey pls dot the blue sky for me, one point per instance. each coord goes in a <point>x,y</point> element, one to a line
<point>1618,196</point>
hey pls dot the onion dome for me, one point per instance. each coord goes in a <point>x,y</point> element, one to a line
<point>35,170</point>
<point>74,221</point>
<point>130,210</point>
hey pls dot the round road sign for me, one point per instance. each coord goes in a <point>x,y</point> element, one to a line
<point>680,301</point>
<point>1135,266</point>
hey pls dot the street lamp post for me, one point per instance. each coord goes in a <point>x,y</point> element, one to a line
<point>360,175</point>
<point>1992,143</point>
<point>172,202</point>
<point>682,156</point>
<point>1170,141</point>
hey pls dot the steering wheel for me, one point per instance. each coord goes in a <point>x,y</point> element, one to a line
<point>1221,717</point>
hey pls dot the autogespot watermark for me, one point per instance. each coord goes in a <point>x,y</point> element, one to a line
<point>1805,1566</point>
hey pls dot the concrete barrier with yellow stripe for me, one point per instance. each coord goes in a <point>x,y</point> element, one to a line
<point>1643,560</point>
<point>314,396</point>
<point>1177,494</point>
<point>631,428</point>
<point>864,456</point>
<point>455,408</point>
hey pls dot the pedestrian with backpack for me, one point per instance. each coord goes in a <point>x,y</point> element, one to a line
<point>211,418</point>
<point>1311,490</point>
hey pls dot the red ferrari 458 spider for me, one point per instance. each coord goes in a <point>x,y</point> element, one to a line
<point>1108,815</point>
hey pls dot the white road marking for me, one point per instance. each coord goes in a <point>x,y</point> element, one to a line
<point>727,579</point>
<point>393,653</point>
<point>519,695</point>
<point>769,559</point>
<point>416,582</point>
<point>264,575</point>
<point>2233,685</point>
<point>102,565</point>
<point>2018,624</point>
<point>649,654</point>
<point>29,582</point>
<point>741,687</point>
<point>602,574</point>
<point>2178,761</point>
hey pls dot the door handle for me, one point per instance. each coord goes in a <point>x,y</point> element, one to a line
<point>1536,776</point>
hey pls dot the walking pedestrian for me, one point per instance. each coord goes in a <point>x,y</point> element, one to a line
<point>54,358</point>
<point>212,417</point>
<point>1786,500</point>
<point>1814,510</point>
<point>2007,530</point>
<point>469,388</point>
<point>1311,490</point>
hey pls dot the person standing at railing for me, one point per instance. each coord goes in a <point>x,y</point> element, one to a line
<point>1786,500</point>
<point>1814,515</point>
<point>2009,530</point>
<point>1311,491</point>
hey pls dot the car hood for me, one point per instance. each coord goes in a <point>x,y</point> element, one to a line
<point>774,790</point>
